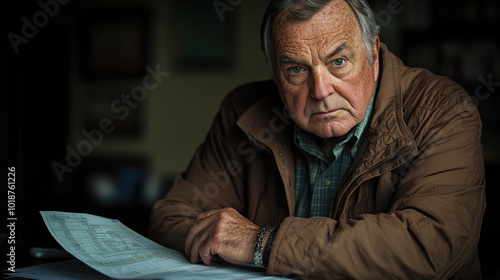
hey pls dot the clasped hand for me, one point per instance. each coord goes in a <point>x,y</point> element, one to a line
<point>222,233</point>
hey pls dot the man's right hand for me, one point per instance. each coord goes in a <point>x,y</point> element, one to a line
<point>224,233</point>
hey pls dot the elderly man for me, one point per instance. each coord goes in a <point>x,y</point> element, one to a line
<point>347,165</point>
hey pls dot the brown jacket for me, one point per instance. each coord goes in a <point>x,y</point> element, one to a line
<point>409,207</point>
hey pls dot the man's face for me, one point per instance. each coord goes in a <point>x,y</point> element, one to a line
<point>322,70</point>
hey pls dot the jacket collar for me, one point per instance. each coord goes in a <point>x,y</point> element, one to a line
<point>269,127</point>
<point>389,137</point>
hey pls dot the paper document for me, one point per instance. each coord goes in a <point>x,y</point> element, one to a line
<point>113,249</point>
<point>64,270</point>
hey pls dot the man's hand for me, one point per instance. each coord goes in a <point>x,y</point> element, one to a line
<point>223,233</point>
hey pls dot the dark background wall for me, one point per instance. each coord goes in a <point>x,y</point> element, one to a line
<point>77,58</point>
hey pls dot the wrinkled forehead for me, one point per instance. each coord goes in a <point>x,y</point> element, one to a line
<point>336,21</point>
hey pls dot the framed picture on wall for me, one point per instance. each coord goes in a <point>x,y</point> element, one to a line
<point>114,43</point>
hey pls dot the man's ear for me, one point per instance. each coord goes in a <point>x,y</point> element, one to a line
<point>375,55</point>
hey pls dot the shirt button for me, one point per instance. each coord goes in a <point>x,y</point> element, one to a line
<point>327,182</point>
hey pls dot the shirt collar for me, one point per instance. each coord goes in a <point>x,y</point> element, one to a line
<point>362,128</point>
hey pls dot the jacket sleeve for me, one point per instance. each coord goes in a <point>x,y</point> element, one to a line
<point>433,225</point>
<point>213,180</point>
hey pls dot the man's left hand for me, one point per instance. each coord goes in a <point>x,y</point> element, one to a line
<point>223,233</point>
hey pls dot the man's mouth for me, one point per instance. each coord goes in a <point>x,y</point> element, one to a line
<point>325,112</point>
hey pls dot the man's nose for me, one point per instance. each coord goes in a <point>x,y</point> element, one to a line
<point>321,84</point>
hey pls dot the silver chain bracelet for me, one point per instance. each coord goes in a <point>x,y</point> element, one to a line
<point>259,244</point>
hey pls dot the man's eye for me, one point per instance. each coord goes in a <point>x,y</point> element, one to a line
<point>295,70</point>
<point>339,62</point>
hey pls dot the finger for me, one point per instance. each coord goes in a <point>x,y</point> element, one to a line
<point>197,226</point>
<point>205,214</point>
<point>206,253</point>
<point>194,256</point>
<point>202,249</point>
<point>189,239</point>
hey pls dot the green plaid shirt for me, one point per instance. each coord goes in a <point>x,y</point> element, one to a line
<point>316,181</point>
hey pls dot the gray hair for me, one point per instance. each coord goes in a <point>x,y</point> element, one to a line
<point>301,10</point>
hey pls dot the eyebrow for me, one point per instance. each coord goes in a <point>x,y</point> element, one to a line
<point>289,60</point>
<point>340,48</point>
<point>286,59</point>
